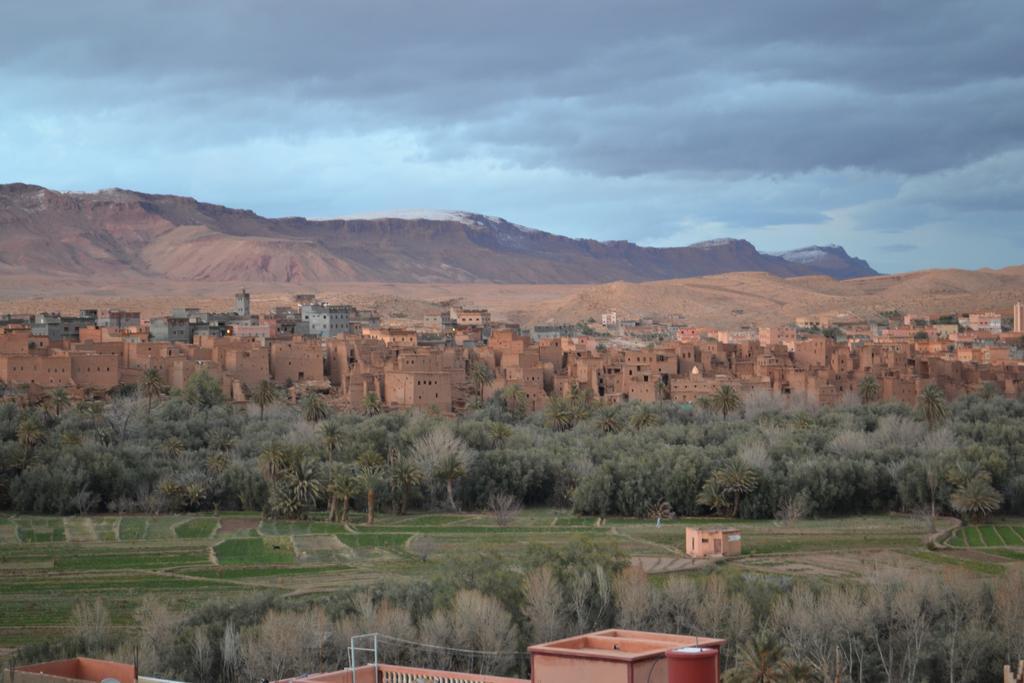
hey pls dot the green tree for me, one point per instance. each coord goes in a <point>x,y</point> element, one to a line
<point>712,497</point>
<point>264,395</point>
<point>869,390</point>
<point>314,407</point>
<point>202,390</point>
<point>303,478</point>
<point>403,476</point>
<point>152,387</point>
<point>762,659</point>
<point>643,418</point>
<point>608,421</point>
<point>333,434</point>
<point>976,498</point>
<point>725,401</point>
<point>274,462</point>
<point>932,403</point>
<point>516,401</point>
<point>480,375</point>
<point>499,433</point>
<point>58,400</point>
<point>372,405</point>
<point>341,486</point>
<point>736,479</point>
<point>370,475</point>
<point>29,433</point>
<point>559,414</point>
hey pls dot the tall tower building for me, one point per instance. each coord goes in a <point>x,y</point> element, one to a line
<point>242,304</point>
<point>1018,317</point>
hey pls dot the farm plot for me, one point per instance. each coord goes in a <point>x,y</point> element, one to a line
<point>1007,534</point>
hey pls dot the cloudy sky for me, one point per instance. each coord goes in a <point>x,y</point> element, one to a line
<point>895,128</point>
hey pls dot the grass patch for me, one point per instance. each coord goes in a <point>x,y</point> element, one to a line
<point>1009,536</point>
<point>200,527</point>
<point>127,559</point>
<point>235,573</point>
<point>267,550</point>
<point>957,539</point>
<point>973,537</point>
<point>132,528</point>
<point>1009,554</point>
<point>375,540</point>
<point>991,536</point>
<point>987,568</point>
<point>41,531</point>
<point>283,528</point>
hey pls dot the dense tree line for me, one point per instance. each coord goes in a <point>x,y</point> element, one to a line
<point>480,614</point>
<point>150,451</point>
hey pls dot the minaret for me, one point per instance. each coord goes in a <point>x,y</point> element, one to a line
<point>242,304</point>
<point>1018,317</point>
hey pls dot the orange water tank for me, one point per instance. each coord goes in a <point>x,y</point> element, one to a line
<point>693,665</point>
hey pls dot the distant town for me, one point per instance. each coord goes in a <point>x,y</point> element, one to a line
<point>458,357</point>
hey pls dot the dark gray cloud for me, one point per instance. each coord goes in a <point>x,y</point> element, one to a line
<point>649,116</point>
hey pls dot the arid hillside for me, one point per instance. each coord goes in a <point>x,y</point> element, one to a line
<point>123,235</point>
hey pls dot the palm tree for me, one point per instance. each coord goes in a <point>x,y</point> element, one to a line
<point>29,433</point>
<point>608,422</point>
<point>516,400</point>
<point>58,399</point>
<point>314,408</point>
<point>762,659</point>
<point>704,404</point>
<point>372,404</point>
<point>333,434</point>
<point>264,395</point>
<point>500,433</point>
<point>152,386</point>
<point>403,477</point>
<point>976,498</point>
<point>480,375</point>
<point>450,468</point>
<point>737,479</point>
<point>711,496</point>
<point>303,479</point>
<point>933,405</point>
<point>274,462</point>
<point>341,486</point>
<point>370,475</point>
<point>725,400</point>
<point>559,414</point>
<point>643,418</point>
<point>869,389</point>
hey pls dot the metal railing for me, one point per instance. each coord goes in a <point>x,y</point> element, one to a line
<point>408,674</point>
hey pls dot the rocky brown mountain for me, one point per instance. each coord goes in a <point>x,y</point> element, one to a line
<point>124,234</point>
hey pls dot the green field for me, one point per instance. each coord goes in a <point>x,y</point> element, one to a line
<point>47,564</point>
<point>1005,534</point>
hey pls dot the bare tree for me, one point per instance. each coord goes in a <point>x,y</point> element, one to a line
<point>633,599</point>
<point>443,457</point>
<point>91,626</point>
<point>504,506</point>
<point>230,652</point>
<point>480,622</point>
<point>543,605</point>
<point>202,652</point>
<point>288,643</point>
<point>793,508</point>
<point>1009,613</point>
<point>157,627</point>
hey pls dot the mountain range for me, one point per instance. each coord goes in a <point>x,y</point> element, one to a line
<point>120,234</point>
